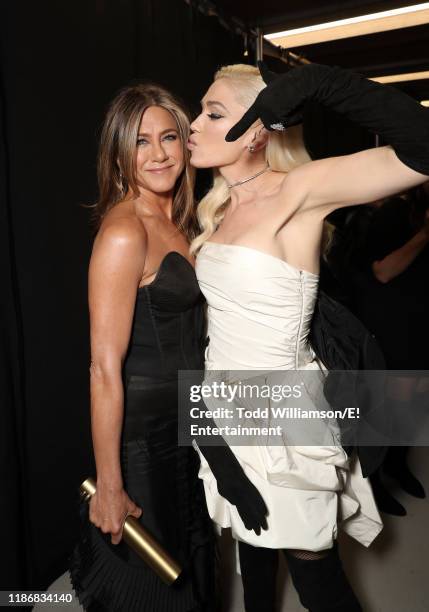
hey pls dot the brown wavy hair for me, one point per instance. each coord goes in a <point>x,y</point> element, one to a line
<point>117,153</point>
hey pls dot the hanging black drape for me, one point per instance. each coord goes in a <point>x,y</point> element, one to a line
<point>61,62</point>
<point>12,451</point>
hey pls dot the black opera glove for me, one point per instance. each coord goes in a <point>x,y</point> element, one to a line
<point>399,119</point>
<point>235,487</point>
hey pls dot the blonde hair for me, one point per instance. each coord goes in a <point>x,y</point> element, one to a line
<point>116,164</point>
<point>284,151</point>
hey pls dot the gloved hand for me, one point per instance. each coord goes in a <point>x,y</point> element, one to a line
<point>399,119</point>
<point>235,487</point>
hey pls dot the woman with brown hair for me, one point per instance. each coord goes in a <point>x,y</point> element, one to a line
<point>147,322</point>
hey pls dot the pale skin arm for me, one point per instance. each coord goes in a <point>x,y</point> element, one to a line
<point>115,270</point>
<point>397,261</point>
<point>327,184</point>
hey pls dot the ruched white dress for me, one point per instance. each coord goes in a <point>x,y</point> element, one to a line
<point>259,315</point>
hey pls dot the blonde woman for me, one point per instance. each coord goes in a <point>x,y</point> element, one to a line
<point>258,267</point>
<point>147,322</point>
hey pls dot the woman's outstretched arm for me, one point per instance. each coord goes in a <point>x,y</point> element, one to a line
<point>351,179</point>
<point>359,178</point>
<point>115,271</point>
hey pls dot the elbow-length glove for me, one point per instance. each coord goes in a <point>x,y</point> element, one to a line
<point>400,120</point>
<point>232,482</point>
<point>235,487</point>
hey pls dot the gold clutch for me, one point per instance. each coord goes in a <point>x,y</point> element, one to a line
<point>141,542</point>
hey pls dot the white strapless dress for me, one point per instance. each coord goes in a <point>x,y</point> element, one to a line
<point>259,315</point>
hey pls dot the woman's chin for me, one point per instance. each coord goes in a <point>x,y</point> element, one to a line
<point>197,162</point>
<point>158,184</point>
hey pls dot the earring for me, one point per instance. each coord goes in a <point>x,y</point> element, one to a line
<point>121,182</point>
<point>251,148</point>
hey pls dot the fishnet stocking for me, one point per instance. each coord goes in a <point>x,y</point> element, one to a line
<point>308,554</point>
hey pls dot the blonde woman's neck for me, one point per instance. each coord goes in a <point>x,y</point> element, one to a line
<point>265,181</point>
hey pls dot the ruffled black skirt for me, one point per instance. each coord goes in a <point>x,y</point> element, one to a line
<point>162,478</point>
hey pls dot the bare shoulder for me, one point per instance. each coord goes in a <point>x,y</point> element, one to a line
<point>119,255</point>
<point>122,230</point>
<point>119,249</point>
<point>298,186</point>
<point>296,180</point>
<point>293,191</point>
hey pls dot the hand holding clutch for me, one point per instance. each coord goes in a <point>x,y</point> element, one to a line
<point>141,541</point>
<point>108,509</point>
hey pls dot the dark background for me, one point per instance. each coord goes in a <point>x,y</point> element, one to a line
<point>61,63</point>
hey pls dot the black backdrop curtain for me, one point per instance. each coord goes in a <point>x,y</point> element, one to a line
<point>61,62</point>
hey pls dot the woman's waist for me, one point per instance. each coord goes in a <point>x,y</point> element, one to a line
<point>150,407</point>
<point>162,362</point>
<point>246,353</point>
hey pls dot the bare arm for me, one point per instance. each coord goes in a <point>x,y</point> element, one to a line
<point>397,261</point>
<point>327,184</point>
<point>115,271</point>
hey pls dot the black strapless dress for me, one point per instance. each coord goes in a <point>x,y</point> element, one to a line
<point>160,476</point>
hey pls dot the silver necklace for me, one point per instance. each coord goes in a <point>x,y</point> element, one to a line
<point>250,177</point>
